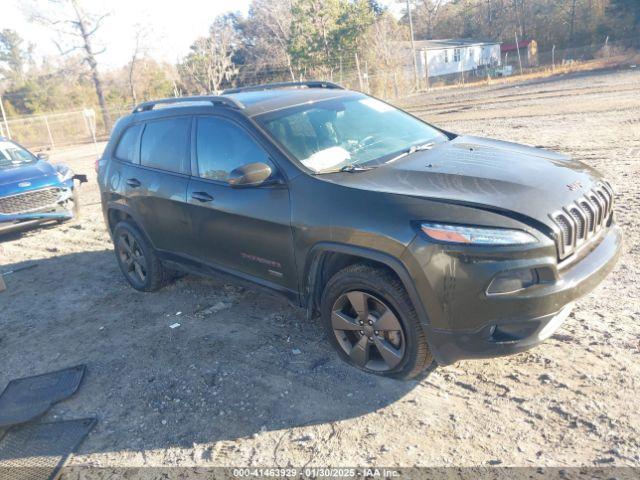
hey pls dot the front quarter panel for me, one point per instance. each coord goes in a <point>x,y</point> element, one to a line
<point>322,211</point>
<point>442,276</point>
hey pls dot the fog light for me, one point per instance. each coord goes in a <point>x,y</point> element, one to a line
<point>512,281</point>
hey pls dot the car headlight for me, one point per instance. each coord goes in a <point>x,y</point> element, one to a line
<point>476,235</point>
<point>63,172</point>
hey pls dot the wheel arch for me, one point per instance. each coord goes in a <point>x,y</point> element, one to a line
<point>326,258</point>
<point>117,212</point>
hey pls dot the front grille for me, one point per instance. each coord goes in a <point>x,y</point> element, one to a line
<point>29,201</point>
<point>580,221</point>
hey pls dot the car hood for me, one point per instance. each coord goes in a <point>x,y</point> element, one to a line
<point>485,173</point>
<point>32,171</point>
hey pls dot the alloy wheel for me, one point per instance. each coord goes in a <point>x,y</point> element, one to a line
<point>368,331</point>
<point>132,257</point>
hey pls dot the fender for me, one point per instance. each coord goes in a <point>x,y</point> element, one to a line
<point>314,263</point>
<point>129,211</point>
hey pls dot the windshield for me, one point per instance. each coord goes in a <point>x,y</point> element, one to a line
<point>354,131</point>
<point>12,155</point>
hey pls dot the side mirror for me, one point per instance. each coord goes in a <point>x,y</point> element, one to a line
<point>43,156</point>
<point>250,175</point>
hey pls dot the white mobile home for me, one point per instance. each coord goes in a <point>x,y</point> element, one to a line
<point>448,57</point>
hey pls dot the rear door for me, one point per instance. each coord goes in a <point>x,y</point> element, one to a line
<point>157,186</point>
<point>247,230</point>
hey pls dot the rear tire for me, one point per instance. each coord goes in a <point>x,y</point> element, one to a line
<point>137,260</point>
<point>372,323</point>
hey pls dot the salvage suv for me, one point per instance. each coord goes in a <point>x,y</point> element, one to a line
<point>412,243</point>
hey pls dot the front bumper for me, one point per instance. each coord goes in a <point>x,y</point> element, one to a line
<point>479,325</point>
<point>60,210</point>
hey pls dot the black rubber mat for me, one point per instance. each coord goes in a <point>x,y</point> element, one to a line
<point>25,399</point>
<point>37,451</point>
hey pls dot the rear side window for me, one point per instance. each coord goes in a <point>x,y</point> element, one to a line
<point>165,144</point>
<point>126,149</point>
<point>222,146</point>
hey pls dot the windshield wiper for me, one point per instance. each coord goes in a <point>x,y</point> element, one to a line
<point>410,150</point>
<point>351,168</point>
<point>354,168</point>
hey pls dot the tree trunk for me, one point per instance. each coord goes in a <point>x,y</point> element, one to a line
<point>93,64</point>
<point>132,89</point>
<point>572,27</point>
<point>572,23</point>
<point>293,77</point>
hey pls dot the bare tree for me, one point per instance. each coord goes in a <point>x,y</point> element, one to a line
<point>76,29</point>
<point>138,50</point>
<point>426,17</point>
<point>269,29</point>
<point>383,38</point>
<point>210,64</point>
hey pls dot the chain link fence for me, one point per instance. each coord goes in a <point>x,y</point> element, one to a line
<point>514,66</point>
<point>400,79</point>
<point>56,129</point>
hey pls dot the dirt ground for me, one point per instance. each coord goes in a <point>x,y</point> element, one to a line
<point>247,380</point>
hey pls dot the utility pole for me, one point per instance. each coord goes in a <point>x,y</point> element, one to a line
<point>518,50</point>
<point>426,67</point>
<point>46,124</point>
<point>359,72</point>
<point>413,47</point>
<point>4,118</point>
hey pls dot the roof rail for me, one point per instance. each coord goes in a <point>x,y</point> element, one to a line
<point>213,99</point>
<point>273,86</point>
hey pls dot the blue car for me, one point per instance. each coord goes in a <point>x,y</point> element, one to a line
<point>32,190</point>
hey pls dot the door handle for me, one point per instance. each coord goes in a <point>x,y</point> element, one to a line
<point>133,182</point>
<point>202,196</point>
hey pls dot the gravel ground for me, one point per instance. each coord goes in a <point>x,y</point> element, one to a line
<point>247,380</point>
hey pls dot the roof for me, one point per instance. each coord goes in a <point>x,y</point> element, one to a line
<point>254,100</point>
<point>511,47</point>
<point>263,101</point>
<point>453,43</point>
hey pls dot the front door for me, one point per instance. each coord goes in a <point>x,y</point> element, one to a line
<point>245,230</point>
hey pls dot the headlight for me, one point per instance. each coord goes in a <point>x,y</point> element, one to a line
<point>64,173</point>
<point>476,235</point>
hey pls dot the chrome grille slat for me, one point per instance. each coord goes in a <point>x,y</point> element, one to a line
<point>598,202</point>
<point>29,201</point>
<point>580,219</point>
<point>590,210</point>
<point>609,195</point>
<point>605,200</point>
<point>578,222</point>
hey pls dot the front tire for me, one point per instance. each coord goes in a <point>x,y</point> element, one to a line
<point>372,323</point>
<point>137,260</point>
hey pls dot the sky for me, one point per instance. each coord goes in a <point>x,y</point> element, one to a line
<point>170,26</point>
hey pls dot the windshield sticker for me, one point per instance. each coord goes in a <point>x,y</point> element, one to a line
<point>327,158</point>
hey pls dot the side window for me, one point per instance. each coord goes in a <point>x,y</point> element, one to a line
<point>126,149</point>
<point>165,144</point>
<point>222,146</point>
